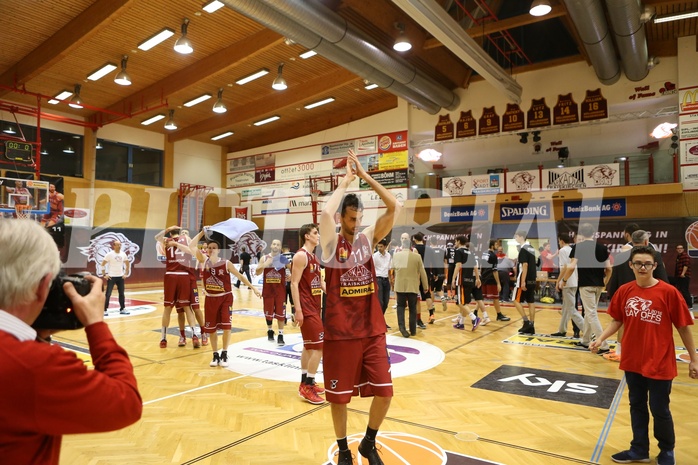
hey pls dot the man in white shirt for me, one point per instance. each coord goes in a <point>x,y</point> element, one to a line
<point>569,291</point>
<point>116,267</point>
<point>381,259</point>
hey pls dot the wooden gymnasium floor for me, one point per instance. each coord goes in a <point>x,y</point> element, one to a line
<point>194,414</point>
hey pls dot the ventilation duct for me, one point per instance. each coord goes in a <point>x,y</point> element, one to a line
<point>330,26</point>
<point>283,25</point>
<point>629,33</point>
<point>589,19</point>
<point>432,17</point>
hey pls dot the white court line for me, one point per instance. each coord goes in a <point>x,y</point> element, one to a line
<point>206,387</point>
<point>143,292</point>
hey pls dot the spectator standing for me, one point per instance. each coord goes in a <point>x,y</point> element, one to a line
<point>245,259</point>
<point>409,273</point>
<point>381,258</point>
<point>682,274</point>
<point>648,308</point>
<point>116,266</point>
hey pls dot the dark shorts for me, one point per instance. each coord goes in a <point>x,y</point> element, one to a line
<point>527,296</point>
<point>436,282</point>
<point>354,367</point>
<point>464,292</point>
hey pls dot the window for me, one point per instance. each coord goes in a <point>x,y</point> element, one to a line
<point>129,163</point>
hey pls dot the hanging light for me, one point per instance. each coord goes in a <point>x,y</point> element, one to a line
<point>402,43</point>
<point>429,155</point>
<point>122,78</point>
<point>183,44</point>
<point>663,131</point>
<point>279,83</point>
<point>68,149</point>
<point>9,130</point>
<point>540,8</point>
<point>76,101</point>
<point>99,146</point>
<point>44,152</point>
<point>219,106</point>
<point>170,124</point>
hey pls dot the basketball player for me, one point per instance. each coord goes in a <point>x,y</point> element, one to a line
<point>178,290</point>
<point>356,355</point>
<point>21,196</point>
<point>449,270</point>
<point>219,295</point>
<point>273,266</point>
<point>526,283</point>
<point>55,201</point>
<point>307,288</point>
<point>465,279</point>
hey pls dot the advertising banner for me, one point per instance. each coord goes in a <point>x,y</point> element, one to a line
<point>244,178</point>
<point>236,165</point>
<point>490,183</point>
<point>582,177</point>
<point>465,213</point>
<point>389,179</point>
<point>392,142</point>
<point>523,181</point>
<point>336,149</point>
<point>594,208</point>
<point>525,211</point>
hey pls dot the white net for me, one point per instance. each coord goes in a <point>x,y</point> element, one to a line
<point>22,211</point>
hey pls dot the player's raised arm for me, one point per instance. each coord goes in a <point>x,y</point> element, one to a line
<point>327,227</point>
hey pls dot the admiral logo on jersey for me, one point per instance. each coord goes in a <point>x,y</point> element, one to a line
<point>316,286</point>
<point>272,276</point>
<point>356,282</point>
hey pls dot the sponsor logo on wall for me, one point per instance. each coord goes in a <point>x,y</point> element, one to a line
<point>527,211</point>
<point>466,213</point>
<point>593,208</point>
<point>101,245</point>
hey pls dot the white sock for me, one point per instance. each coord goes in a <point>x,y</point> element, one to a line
<point>484,315</point>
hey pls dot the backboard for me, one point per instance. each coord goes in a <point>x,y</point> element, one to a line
<point>24,191</point>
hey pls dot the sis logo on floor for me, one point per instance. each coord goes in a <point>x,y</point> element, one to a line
<point>264,359</point>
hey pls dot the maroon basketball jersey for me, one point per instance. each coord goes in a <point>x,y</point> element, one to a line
<point>310,285</point>
<point>353,310</point>
<point>176,260</point>
<point>216,277</point>
<point>274,280</point>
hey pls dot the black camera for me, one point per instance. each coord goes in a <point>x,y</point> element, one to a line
<point>58,309</point>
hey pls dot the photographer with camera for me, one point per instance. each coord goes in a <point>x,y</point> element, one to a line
<point>48,391</point>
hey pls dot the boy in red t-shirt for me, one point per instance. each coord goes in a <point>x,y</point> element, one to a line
<point>647,308</point>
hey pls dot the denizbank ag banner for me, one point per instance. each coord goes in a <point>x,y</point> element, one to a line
<point>466,213</point>
<point>593,208</point>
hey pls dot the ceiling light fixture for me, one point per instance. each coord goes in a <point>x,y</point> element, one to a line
<point>183,44</point>
<point>308,54</point>
<point>99,146</point>
<point>101,72</point>
<point>429,155</point>
<point>252,77</point>
<point>76,101</point>
<point>60,96</point>
<point>663,130</point>
<point>402,43</point>
<point>152,119</point>
<point>212,6</point>
<point>540,8</point>
<point>675,17</point>
<point>321,102</point>
<point>197,100</point>
<point>44,152</point>
<point>170,125</point>
<point>9,130</point>
<point>68,149</point>
<point>221,136</point>
<point>268,120</point>
<point>158,38</point>
<point>279,83</point>
<point>219,106</point>
<point>371,86</point>
<point>122,78</point>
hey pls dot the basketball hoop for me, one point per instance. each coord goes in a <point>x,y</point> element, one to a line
<point>315,194</point>
<point>22,212</point>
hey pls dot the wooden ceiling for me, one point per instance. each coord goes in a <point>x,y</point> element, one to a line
<point>47,46</point>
